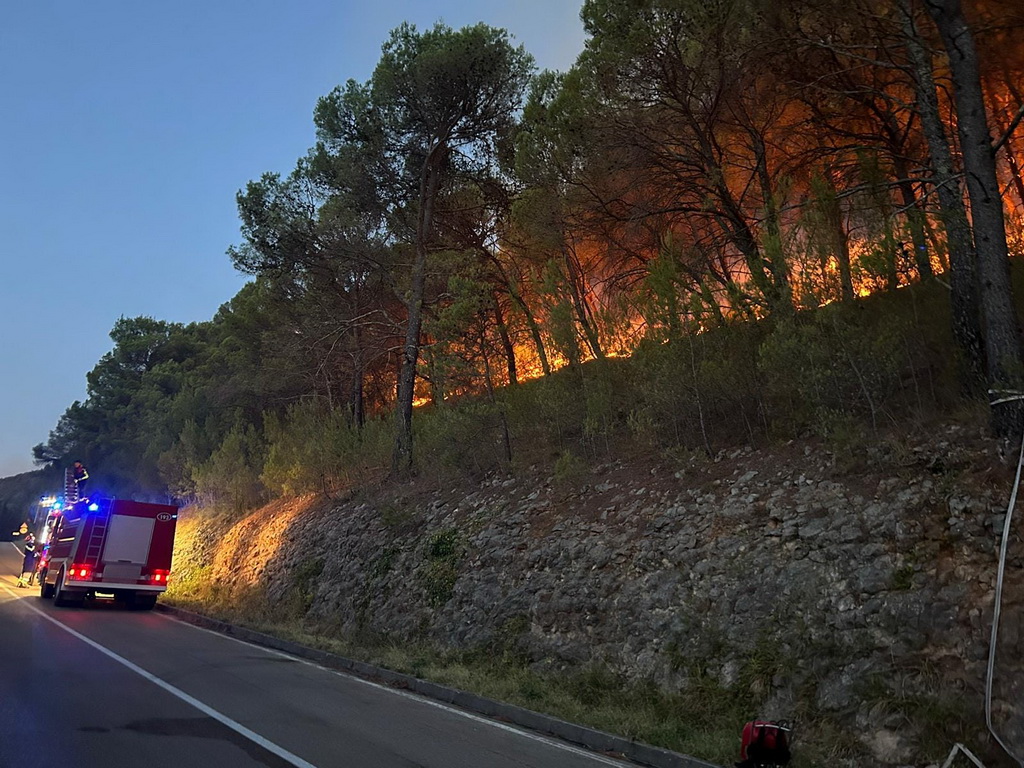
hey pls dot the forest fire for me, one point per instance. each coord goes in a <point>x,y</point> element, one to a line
<point>688,174</point>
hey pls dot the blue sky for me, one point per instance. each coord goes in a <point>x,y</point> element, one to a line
<point>126,130</point>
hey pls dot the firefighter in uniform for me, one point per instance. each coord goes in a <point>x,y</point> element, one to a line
<point>81,476</point>
<point>28,565</point>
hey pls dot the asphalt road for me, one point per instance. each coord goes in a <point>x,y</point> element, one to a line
<point>106,688</point>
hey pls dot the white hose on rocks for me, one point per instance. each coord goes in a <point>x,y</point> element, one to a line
<point>990,675</point>
<point>958,747</point>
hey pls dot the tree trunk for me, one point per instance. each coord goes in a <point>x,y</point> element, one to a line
<point>963,280</point>
<point>738,231</point>
<point>535,334</point>
<point>506,343</point>
<point>734,224</point>
<point>580,304</point>
<point>531,321</point>
<point>772,248</point>
<point>357,406</point>
<point>506,438</point>
<point>430,180</point>
<point>358,401</point>
<point>881,199</point>
<point>915,221</point>
<point>1015,174</point>
<point>1011,158</point>
<point>711,302</point>
<point>1002,330</point>
<point>435,375</point>
<point>939,247</point>
<point>832,212</point>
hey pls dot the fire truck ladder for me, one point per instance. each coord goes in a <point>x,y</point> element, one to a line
<point>94,546</point>
<point>70,486</point>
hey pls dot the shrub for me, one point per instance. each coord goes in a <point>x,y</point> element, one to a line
<point>819,369</point>
<point>698,391</point>
<point>460,438</point>
<point>313,448</point>
<point>570,469</point>
<point>444,552</point>
<point>231,475</point>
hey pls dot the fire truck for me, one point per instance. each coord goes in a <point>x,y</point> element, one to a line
<point>108,548</point>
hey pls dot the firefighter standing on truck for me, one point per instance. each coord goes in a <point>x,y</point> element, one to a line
<point>81,476</point>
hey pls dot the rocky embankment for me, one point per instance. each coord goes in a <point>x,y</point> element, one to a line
<point>854,587</point>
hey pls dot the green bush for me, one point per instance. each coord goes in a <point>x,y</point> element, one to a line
<point>444,552</point>
<point>547,412</point>
<point>698,391</point>
<point>231,476</point>
<point>570,469</point>
<point>821,369</point>
<point>461,438</point>
<point>313,448</point>
<point>305,577</point>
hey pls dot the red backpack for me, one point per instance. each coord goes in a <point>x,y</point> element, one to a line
<point>764,744</point>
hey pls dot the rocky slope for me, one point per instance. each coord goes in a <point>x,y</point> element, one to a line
<point>856,585</point>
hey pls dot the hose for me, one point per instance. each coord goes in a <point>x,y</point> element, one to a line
<point>1004,545</point>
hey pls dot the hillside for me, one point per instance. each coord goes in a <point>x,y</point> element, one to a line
<point>668,600</point>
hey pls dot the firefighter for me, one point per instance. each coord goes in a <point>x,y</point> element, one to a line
<point>28,566</point>
<point>80,475</point>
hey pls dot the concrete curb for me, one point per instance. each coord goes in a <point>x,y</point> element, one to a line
<point>592,739</point>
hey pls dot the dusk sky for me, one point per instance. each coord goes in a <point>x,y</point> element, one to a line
<point>127,128</point>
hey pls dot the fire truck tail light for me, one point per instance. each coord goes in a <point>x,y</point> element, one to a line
<point>81,572</point>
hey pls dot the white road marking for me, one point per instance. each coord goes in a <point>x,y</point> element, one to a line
<point>16,548</point>
<point>270,746</point>
<point>417,697</point>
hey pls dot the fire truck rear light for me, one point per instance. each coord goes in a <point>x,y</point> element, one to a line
<point>81,572</point>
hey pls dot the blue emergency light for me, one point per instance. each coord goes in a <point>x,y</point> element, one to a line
<point>93,507</point>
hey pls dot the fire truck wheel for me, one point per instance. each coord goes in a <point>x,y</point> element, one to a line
<point>45,590</point>
<point>61,597</point>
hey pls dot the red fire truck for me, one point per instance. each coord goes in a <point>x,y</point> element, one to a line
<point>108,548</point>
